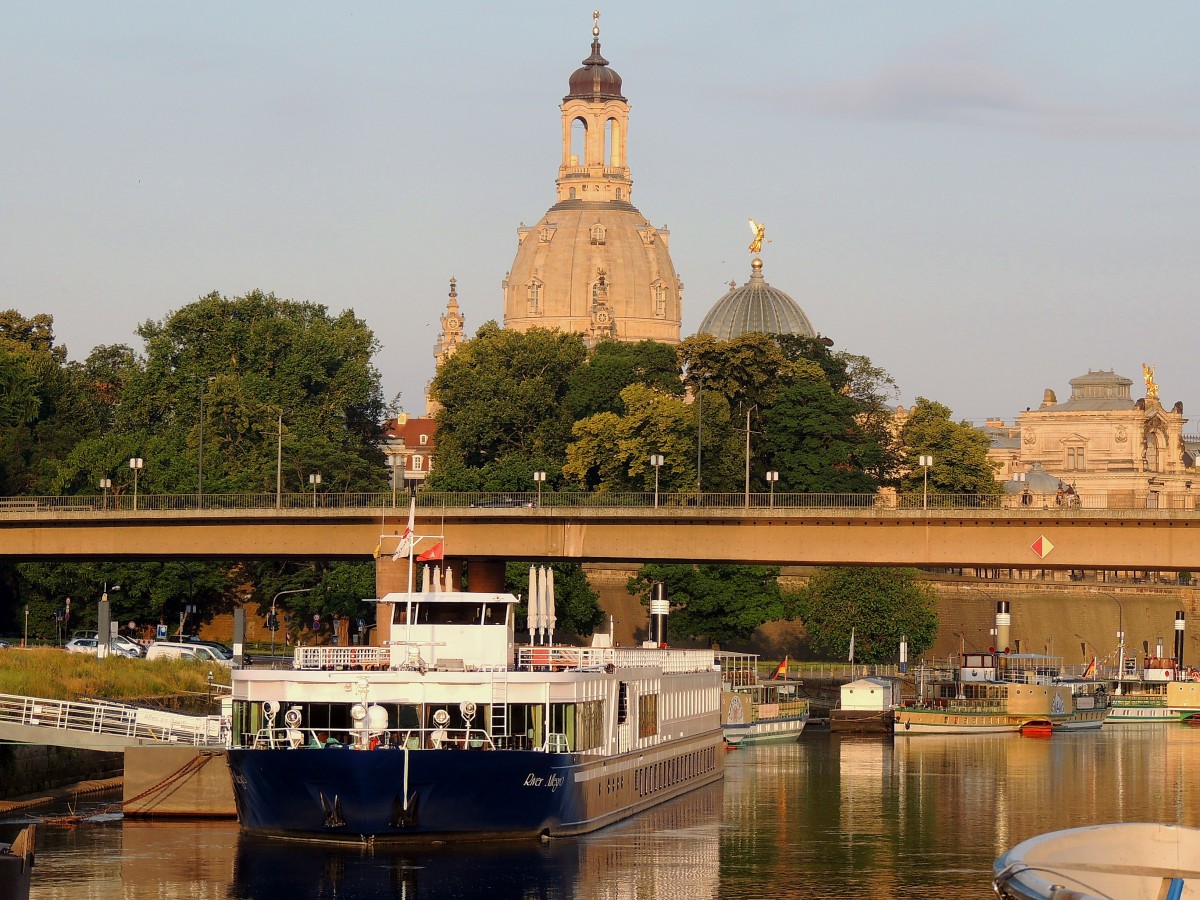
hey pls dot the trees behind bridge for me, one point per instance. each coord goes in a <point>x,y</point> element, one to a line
<point>227,395</point>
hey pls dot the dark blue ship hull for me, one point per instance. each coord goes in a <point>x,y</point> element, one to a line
<point>342,793</point>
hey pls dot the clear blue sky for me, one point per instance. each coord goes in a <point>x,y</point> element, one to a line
<point>987,199</point>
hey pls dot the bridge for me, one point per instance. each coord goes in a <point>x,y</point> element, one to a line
<point>852,529</point>
<point>102,725</point>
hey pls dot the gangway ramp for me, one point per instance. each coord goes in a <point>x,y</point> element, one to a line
<point>103,725</point>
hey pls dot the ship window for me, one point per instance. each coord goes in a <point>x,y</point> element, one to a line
<point>449,613</point>
<point>622,703</point>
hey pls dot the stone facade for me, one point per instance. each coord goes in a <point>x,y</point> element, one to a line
<point>1102,447</point>
<point>594,264</point>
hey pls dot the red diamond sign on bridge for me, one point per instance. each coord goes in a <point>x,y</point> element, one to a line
<point>1041,547</point>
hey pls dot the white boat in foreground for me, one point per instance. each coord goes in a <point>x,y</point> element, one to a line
<point>1132,861</point>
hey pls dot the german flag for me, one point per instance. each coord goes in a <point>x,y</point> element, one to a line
<point>781,670</point>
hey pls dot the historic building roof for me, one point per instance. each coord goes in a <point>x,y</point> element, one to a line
<point>593,264</point>
<point>1101,390</point>
<point>755,306</point>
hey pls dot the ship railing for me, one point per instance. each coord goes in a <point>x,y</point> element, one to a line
<point>309,738</point>
<point>337,658</point>
<point>559,659</point>
<point>953,705</point>
<point>785,709</point>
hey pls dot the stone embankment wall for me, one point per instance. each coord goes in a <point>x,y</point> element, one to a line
<point>1073,620</point>
<point>28,769</point>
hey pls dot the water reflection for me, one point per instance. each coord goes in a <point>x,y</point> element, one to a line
<point>832,816</point>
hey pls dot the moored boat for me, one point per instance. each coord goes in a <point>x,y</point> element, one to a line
<point>451,731</point>
<point>1141,697</point>
<point>16,864</point>
<point>1132,860</point>
<point>1003,692</point>
<point>756,710</point>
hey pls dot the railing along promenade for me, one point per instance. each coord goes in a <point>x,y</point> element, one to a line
<point>883,504</point>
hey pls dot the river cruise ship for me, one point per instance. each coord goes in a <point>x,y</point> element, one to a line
<point>450,730</point>
<point>998,692</point>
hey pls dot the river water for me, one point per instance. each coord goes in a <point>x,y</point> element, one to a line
<point>829,816</point>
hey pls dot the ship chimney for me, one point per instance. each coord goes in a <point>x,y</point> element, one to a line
<point>659,609</point>
<point>1003,623</point>
<point>1179,625</point>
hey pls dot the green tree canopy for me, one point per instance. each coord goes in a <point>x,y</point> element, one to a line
<point>959,451</point>
<point>716,603</point>
<point>877,604</point>
<point>613,366</point>
<point>503,412</point>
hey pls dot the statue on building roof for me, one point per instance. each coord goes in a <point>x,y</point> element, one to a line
<point>1148,377</point>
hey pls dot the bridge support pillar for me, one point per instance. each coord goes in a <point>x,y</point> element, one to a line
<point>487,575</point>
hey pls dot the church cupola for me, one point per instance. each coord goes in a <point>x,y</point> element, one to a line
<point>595,117</point>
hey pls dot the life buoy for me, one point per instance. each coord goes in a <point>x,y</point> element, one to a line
<point>1170,674</point>
<point>353,656</point>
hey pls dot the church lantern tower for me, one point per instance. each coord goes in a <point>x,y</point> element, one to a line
<point>594,264</point>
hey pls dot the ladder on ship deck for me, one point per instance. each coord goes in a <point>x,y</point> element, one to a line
<point>499,714</point>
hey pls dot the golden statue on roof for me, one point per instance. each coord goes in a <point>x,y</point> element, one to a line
<point>759,230</point>
<point>1148,377</point>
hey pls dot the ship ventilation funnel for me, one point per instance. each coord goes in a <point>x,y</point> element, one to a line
<point>1179,626</point>
<point>659,609</point>
<point>1003,624</point>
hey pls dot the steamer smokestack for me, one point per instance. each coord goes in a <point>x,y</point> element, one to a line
<point>659,609</point>
<point>1179,626</point>
<point>1003,623</point>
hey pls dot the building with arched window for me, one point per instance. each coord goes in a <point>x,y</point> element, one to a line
<point>593,264</point>
<point>1102,445</point>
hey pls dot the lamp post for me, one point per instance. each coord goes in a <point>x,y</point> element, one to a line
<point>314,480</point>
<point>925,462</point>
<point>656,460</point>
<point>105,484</point>
<point>205,380</point>
<point>539,479</point>
<point>279,463</point>
<point>25,640</point>
<point>273,619</point>
<point>137,464</point>
<point>394,457</point>
<point>772,477</point>
<point>699,432</point>
<point>748,409</point>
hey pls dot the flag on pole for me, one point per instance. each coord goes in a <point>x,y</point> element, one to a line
<point>852,645</point>
<point>1090,672</point>
<point>405,546</point>
<point>378,549</point>
<point>433,553</point>
<point>781,670</point>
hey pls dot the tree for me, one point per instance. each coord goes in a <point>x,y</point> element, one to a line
<point>576,605</point>
<point>503,412</point>
<point>959,450</point>
<point>748,370</point>
<point>613,366</point>
<point>877,604</point>
<point>716,603</point>
<point>611,452</point>
<point>815,439</point>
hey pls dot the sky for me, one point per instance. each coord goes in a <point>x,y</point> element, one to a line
<point>987,199</point>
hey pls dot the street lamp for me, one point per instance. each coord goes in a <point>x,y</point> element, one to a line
<point>105,484</point>
<point>273,622</point>
<point>205,381</point>
<point>539,479</point>
<point>137,464</point>
<point>25,640</point>
<point>699,431</point>
<point>279,463</point>
<point>748,411</point>
<point>772,477</point>
<point>925,462</point>
<point>656,460</point>
<point>314,480</point>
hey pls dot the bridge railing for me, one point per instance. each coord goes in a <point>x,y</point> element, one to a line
<point>306,503</point>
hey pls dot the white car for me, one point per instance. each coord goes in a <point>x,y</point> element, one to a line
<point>88,645</point>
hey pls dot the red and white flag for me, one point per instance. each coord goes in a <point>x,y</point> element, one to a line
<point>404,548</point>
<point>433,553</point>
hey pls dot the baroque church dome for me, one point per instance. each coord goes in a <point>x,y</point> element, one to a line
<point>758,307</point>
<point>593,264</point>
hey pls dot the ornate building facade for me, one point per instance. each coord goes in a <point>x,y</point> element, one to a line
<point>1101,446</point>
<point>593,264</point>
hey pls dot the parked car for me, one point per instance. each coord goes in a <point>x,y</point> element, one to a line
<point>181,650</point>
<point>118,643</point>
<point>501,502</point>
<point>88,645</point>
<point>221,649</point>
<point>4,644</point>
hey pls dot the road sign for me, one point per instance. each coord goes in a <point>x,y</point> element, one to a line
<point>1042,546</point>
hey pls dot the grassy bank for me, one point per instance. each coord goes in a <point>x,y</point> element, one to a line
<point>54,673</point>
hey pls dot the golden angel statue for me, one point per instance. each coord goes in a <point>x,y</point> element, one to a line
<point>1148,377</point>
<point>759,230</point>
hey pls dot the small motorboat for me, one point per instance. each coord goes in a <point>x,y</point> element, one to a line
<point>1131,860</point>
